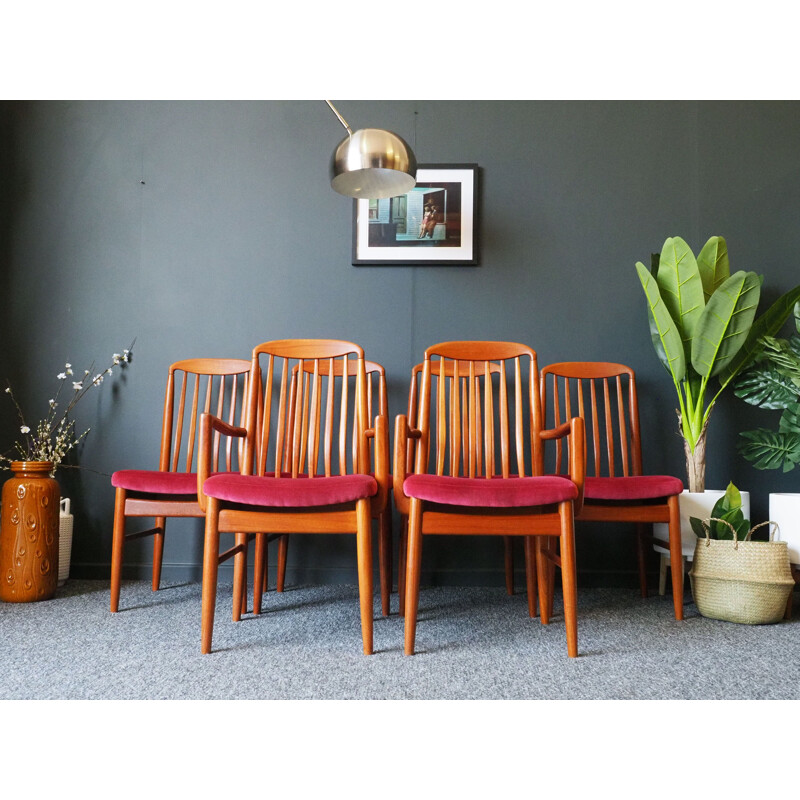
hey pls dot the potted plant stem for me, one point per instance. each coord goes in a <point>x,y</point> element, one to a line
<point>705,332</point>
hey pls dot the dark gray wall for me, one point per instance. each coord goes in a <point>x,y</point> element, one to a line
<point>204,228</point>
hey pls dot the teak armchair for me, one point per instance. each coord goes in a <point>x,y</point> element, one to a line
<point>604,395</point>
<point>324,490</point>
<point>412,413</point>
<point>510,496</point>
<point>376,397</point>
<point>193,386</point>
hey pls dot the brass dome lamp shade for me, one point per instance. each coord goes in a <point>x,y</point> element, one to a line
<point>372,163</point>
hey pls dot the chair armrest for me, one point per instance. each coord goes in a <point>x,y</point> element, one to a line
<point>574,431</point>
<point>402,434</point>
<point>209,424</point>
<point>380,433</point>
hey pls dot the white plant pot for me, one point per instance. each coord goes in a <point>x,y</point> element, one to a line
<point>785,510</point>
<point>64,541</point>
<point>700,505</point>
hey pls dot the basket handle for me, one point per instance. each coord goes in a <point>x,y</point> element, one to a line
<point>707,529</point>
<point>65,506</point>
<point>749,533</point>
<point>772,531</point>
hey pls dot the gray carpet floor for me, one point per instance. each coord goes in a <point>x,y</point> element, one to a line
<point>472,643</point>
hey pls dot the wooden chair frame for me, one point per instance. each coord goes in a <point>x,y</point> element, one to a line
<point>179,433</point>
<point>614,450</point>
<point>412,412</point>
<point>452,443</point>
<point>306,439</point>
<point>376,371</point>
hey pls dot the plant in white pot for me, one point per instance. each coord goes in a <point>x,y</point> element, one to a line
<point>773,383</point>
<point>705,332</point>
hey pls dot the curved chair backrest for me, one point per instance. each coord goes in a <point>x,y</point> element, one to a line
<point>302,427</point>
<point>604,394</point>
<point>466,426</point>
<point>194,386</point>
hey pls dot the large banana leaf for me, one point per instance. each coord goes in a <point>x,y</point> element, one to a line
<point>725,323</point>
<point>766,387</point>
<point>681,288</point>
<point>766,449</point>
<point>713,264</point>
<point>768,324</point>
<point>668,334</point>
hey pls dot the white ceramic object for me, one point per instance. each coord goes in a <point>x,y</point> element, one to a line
<point>64,541</point>
<point>784,508</point>
<point>700,505</point>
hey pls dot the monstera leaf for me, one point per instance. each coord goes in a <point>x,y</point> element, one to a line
<point>790,419</point>
<point>766,449</point>
<point>765,386</point>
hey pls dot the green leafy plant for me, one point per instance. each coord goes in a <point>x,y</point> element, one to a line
<point>728,509</point>
<point>703,325</point>
<point>773,383</point>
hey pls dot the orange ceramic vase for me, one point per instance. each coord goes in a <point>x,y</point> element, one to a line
<point>29,533</point>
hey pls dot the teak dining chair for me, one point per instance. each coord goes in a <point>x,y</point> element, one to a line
<point>413,404</point>
<point>509,496</point>
<point>604,395</point>
<point>325,489</point>
<point>193,386</point>
<point>376,397</point>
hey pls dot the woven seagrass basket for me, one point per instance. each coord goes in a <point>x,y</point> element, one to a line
<point>741,581</point>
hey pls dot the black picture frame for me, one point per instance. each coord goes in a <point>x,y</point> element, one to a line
<point>435,224</point>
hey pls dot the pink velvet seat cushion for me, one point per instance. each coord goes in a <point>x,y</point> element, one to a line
<point>634,487</point>
<point>490,492</point>
<point>301,492</point>
<point>155,482</point>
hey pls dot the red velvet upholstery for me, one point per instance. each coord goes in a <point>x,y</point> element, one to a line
<point>491,493</point>
<point>155,482</point>
<point>635,487</point>
<point>298,492</point>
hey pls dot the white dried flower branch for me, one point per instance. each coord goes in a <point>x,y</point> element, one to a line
<point>55,435</point>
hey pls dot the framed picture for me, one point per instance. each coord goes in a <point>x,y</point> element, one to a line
<point>435,224</point>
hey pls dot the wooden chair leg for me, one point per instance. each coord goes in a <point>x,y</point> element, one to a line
<point>364,551</point>
<point>641,538</point>
<point>158,550</point>
<point>662,574</point>
<point>283,549</point>
<point>402,555</point>
<point>210,574</point>
<point>240,577</point>
<point>117,548</point>
<point>385,558</point>
<point>569,578</point>
<point>508,546</point>
<point>531,573</point>
<point>259,571</point>
<point>413,565</point>
<point>676,556</point>
<point>545,577</point>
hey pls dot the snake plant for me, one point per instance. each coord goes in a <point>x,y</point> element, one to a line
<point>773,382</point>
<point>703,325</point>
